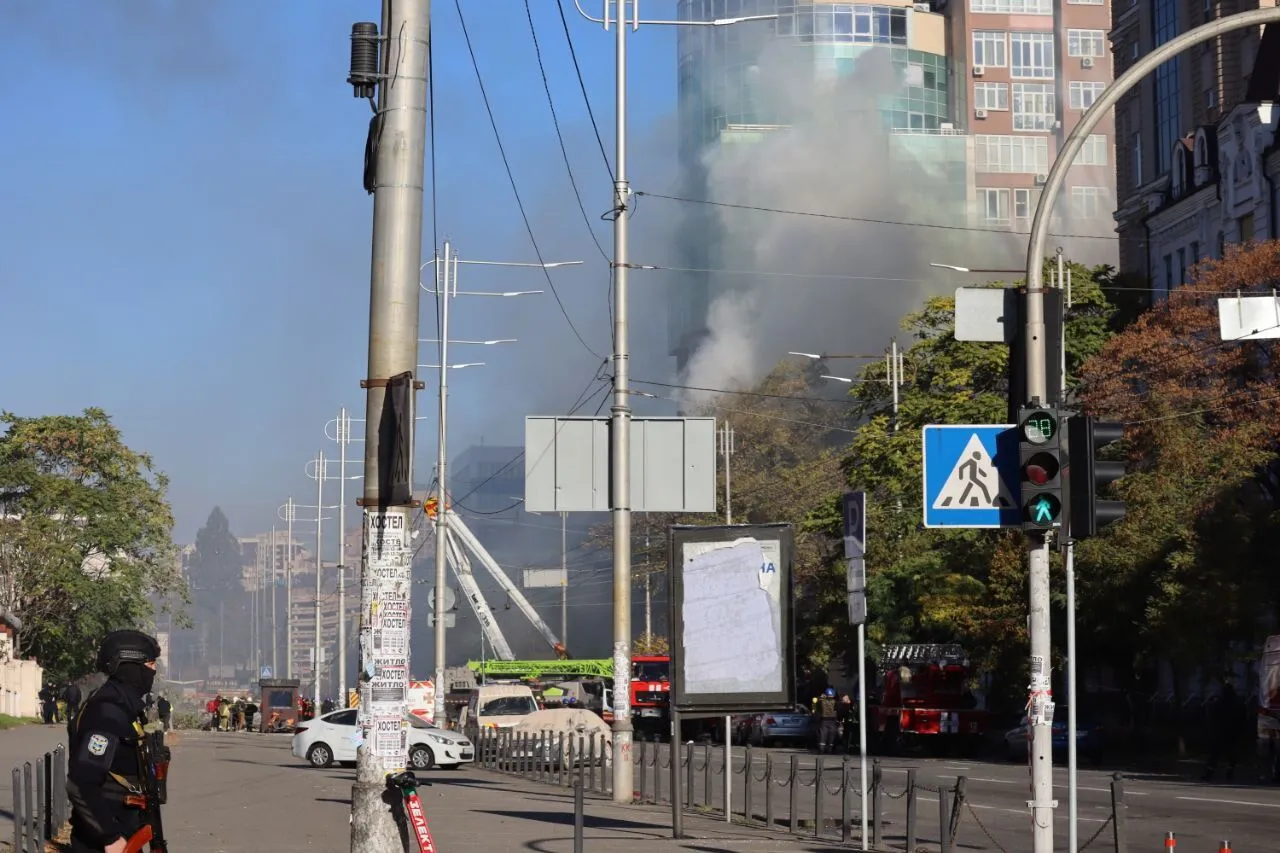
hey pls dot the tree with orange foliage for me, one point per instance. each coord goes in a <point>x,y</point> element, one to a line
<point>1189,574</point>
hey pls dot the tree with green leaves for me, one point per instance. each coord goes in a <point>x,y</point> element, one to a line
<point>1188,576</point>
<point>85,536</point>
<point>938,585</point>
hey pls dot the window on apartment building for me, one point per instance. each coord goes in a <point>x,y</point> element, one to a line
<point>990,49</point>
<point>993,206</point>
<point>1195,251</point>
<point>1182,266</point>
<point>1033,106</point>
<point>1015,154</point>
<point>1086,202</point>
<point>1093,152</point>
<point>1086,42</point>
<point>1031,55</point>
<point>1135,160</point>
<point>1081,94</point>
<point>1168,108</point>
<point>1246,228</point>
<point>1024,203</point>
<point>1211,97</point>
<point>1221,250</point>
<point>1012,7</point>
<point>1168,273</point>
<point>991,96</point>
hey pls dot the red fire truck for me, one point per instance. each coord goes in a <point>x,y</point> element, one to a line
<point>651,694</point>
<point>924,697</point>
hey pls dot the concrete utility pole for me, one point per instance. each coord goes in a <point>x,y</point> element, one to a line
<point>620,434</point>
<point>399,70</point>
<point>317,650</point>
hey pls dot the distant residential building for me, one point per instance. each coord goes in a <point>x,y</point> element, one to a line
<point>1197,91</point>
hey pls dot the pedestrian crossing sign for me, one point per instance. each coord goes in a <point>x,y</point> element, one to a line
<point>971,475</point>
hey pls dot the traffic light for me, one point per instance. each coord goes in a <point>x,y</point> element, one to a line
<point>1086,474</point>
<point>1042,458</point>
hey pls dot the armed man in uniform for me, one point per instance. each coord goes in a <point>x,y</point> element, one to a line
<point>104,772</point>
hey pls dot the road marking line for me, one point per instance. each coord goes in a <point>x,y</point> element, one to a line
<point>1024,811</point>
<point>1229,802</point>
<point>996,781</point>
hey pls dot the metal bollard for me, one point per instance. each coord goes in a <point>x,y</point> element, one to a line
<point>560,758</point>
<point>591,758</point>
<point>768,791</point>
<point>819,813</point>
<point>944,822</point>
<point>689,792</point>
<point>657,770</point>
<point>911,809</point>
<point>794,793</point>
<point>1119,814</point>
<point>706,776</point>
<point>41,817</point>
<point>33,832</point>
<point>644,777</point>
<point>748,772</point>
<point>1170,841</point>
<point>846,820</point>
<point>17,810</point>
<point>579,814</point>
<point>877,813</point>
<point>1224,846</point>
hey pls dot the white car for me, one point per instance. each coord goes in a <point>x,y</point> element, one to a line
<point>334,737</point>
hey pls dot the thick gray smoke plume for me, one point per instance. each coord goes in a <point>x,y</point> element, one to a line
<point>833,157</point>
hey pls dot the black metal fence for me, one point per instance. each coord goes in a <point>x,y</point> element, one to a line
<point>809,796</point>
<point>40,808</point>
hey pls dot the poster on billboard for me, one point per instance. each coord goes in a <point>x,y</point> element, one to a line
<point>731,616</point>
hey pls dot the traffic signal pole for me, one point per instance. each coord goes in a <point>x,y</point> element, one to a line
<point>1040,687</point>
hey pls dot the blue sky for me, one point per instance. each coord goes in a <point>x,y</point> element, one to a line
<point>184,239</point>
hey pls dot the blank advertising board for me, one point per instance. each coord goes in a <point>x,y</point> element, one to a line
<point>731,612</point>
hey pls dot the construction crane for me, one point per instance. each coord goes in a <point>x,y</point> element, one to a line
<point>459,542</point>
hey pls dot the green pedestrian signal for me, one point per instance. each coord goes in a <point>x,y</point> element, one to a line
<point>1042,459</point>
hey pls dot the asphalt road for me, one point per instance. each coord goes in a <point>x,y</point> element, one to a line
<point>1200,814</point>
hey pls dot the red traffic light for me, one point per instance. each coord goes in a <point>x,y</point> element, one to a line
<point>1040,469</point>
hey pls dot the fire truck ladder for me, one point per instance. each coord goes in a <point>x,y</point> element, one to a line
<point>459,537</point>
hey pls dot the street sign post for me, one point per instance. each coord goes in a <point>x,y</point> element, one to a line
<point>971,475</point>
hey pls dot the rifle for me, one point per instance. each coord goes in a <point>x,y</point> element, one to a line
<point>153,766</point>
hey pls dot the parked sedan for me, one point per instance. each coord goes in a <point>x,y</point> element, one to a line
<point>795,726</point>
<point>1089,739</point>
<point>334,738</point>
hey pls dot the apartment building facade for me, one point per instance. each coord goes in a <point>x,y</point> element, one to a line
<point>1190,140</point>
<point>1030,69</point>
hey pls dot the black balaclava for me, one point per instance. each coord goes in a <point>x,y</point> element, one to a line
<point>138,676</point>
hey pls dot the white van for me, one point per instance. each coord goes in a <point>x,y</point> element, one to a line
<point>500,706</point>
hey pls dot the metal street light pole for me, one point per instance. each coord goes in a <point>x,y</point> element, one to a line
<point>344,427</point>
<point>620,411</point>
<point>275,632</point>
<point>445,290</point>
<point>318,648</point>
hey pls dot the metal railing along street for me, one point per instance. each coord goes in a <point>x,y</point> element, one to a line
<point>40,808</point>
<point>807,796</point>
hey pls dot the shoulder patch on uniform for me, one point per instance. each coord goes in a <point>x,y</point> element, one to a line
<point>98,745</point>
